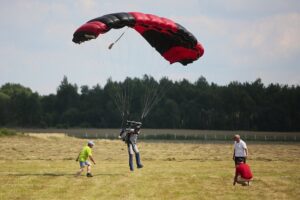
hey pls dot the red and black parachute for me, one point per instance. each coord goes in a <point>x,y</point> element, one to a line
<point>170,39</point>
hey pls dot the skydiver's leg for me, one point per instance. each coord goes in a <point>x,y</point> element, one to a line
<point>131,162</point>
<point>135,148</point>
<point>130,154</point>
<point>137,156</point>
<point>138,160</point>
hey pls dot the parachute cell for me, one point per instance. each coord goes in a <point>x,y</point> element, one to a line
<point>170,39</point>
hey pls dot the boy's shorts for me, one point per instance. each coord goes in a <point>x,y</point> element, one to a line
<point>84,163</point>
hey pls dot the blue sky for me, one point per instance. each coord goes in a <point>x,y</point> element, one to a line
<point>243,40</point>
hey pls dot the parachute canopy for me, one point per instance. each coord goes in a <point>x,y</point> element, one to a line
<point>170,39</point>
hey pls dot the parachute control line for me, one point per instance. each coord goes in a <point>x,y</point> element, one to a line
<point>112,44</point>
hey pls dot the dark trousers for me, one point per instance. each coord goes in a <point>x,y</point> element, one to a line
<point>238,158</point>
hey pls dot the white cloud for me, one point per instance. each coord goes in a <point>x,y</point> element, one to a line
<point>270,38</point>
<point>274,37</point>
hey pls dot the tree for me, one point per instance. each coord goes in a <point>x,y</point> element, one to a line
<point>24,107</point>
<point>182,104</point>
<point>67,98</point>
<point>4,111</point>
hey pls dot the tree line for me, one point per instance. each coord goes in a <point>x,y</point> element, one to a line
<point>180,104</point>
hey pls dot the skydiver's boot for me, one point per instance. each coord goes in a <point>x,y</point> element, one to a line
<point>131,162</point>
<point>138,160</point>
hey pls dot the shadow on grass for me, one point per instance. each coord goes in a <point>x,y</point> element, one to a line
<point>108,174</point>
<point>56,174</point>
<point>38,174</point>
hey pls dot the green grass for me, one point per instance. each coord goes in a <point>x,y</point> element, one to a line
<point>7,132</point>
<point>43,167</point>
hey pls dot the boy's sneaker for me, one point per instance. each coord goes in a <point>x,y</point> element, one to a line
<point>89,175</point>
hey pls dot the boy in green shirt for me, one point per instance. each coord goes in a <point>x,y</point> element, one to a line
<point>86,153</point>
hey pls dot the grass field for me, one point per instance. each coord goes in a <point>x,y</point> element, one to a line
<point>42,167</point>
<point>174,134</point>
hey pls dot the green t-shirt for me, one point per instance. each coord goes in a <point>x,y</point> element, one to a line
<point>85,153</point>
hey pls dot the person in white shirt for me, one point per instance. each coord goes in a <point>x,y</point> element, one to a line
<point>240,149</point>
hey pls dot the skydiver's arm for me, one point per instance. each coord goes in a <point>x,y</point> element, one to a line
<point>122,131</point>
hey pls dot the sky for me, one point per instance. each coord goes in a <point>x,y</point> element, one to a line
<point>243,40</point>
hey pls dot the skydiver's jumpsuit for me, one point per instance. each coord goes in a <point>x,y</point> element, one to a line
<point>131,141</point>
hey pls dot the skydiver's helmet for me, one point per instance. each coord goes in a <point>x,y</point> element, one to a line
<point>133,124</point>
<point>138,127</point>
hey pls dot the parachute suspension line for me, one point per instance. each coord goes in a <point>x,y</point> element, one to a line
<point>118,100</point>
<point>125,99</point>
<point>153,101</point>
<point>121,100</point>
<point>147,108</point>
<point>112,44</point>
<point>159,95</point>
<point>146,101</point>
<point>122,106</point>
<point>152,96</point>
<point>123,103</point>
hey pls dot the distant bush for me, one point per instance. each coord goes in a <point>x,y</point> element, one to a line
<point>7,132</point>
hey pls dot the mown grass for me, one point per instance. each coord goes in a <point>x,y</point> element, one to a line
<point>43,167</point>
<point>174,134</point>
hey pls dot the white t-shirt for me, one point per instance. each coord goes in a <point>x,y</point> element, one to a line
<point>239,148</point>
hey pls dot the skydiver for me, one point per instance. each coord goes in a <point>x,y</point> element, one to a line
<point>129,136</point>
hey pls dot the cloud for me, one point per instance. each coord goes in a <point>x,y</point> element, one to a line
<point>269,38</point>
<point>273,37</point>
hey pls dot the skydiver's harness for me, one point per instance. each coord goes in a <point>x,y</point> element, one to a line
<point>131,127</point>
